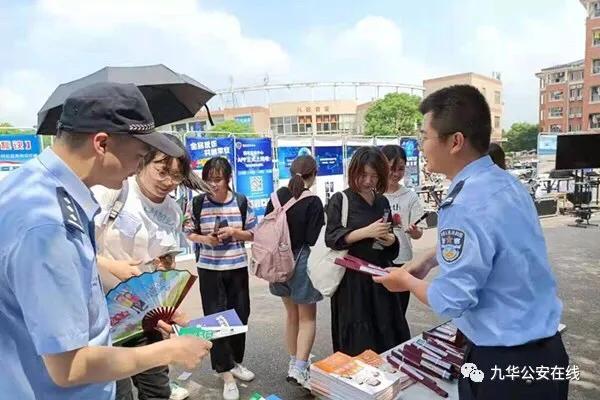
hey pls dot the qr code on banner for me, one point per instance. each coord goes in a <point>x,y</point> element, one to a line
<point>256,184</point>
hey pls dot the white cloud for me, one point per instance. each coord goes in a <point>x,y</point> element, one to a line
<point>22,93</point>
<point>520,50</point>
<point>74,38</point>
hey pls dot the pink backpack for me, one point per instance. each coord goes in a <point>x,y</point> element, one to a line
<point>272,257</point>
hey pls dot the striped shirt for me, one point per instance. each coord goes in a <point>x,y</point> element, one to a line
<point>226,256</point>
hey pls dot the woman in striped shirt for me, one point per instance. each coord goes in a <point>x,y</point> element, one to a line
<point>224,222</point>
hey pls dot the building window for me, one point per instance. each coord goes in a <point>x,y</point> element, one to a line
<point>497,97</point>
<point>556,95</point>
<point>596,10</point>
<point>292,125</point>
<point>327,123</point>
<point>594,121</point>
<point>575,112</point>
<point>556,112</point>
<point>596,38</point>
<point>575,128</point>
<point>576,75</point>
<point>596,66</point>
<point>575,93</point>
<point>496,122</point>
<point>557,77</point>
<point>179,127</point>
<point>543,82</point>
<point>555,128</point>
<point>347,123</point>
<point>541,115</point>
<point>595,94</point>
<point>542,98</point>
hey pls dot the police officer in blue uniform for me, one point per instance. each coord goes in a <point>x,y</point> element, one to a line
<point>55,330</point>
<point>495,281</point>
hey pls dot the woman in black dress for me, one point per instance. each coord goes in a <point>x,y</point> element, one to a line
<point>364,315</point>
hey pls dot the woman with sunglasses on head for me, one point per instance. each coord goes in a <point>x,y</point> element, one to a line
<point>142,235</point>
<point>224,221</point>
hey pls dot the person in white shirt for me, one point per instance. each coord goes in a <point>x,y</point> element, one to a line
<point>405,206</point>
<point>143,236</point>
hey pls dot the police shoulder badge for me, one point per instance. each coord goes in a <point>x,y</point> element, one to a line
<point>451,244</point>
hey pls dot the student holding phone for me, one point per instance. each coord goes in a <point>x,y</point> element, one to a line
<point>363,316</point>
<point>223,222</point>
<point>139,230</point>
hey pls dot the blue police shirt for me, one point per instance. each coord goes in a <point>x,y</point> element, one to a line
<point>51,300</point>
<point>495,280</point>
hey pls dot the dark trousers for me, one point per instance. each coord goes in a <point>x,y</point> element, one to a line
<point>221,291</point>
<point>151,385</point>
<point>549,352</point>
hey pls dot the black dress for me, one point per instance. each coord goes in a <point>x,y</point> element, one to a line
<point>364,314</point>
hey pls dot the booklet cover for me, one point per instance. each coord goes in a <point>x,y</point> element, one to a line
<point>214,326</point>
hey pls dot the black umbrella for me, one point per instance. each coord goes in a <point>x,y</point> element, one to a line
<point>170,96</point>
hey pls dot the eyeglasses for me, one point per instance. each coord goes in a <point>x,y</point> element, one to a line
<point>162,174</point>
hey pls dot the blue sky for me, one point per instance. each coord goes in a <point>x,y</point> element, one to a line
<point>46,42</point>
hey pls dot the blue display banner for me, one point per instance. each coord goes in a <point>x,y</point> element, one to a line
<point>19,148</point>
<point>254,171</point>
<point>412,173</point>
<point>350,150</point>
<point>330,160</point>
<point>546,145</point>
<point>285,157</point>
<point>203,149</point>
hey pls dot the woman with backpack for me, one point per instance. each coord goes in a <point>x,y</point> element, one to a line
<point>305,220</point>
<point>138,230</point>
<point>223,222</point>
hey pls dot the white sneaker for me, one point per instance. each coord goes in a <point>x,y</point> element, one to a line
<point>230,391</point>
<point>178,393</point>
<point>300,377</point>
<point>290,366</point>
<point>242,373</point>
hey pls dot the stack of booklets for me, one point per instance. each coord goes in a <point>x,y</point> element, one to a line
<point>367,376</point>
<point>360,265</point>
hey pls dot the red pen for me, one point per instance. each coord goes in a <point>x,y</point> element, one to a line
<point>417,376</point>
<point>453,349</point>
<point>445,355</point>
<point>423,366</point>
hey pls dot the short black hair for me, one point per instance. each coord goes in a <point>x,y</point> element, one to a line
<point>393,153</point>
<point>217,164</point>
<point>460,108</point>
<point>497,154</point>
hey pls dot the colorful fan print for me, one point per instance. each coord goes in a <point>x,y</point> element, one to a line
<point>136,305</point>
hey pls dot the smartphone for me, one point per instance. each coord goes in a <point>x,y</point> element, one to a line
<point>222,224</point>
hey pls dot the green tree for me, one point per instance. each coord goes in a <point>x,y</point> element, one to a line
<point>229,126</point>
<point>395,114</point>
<point>521,136</point>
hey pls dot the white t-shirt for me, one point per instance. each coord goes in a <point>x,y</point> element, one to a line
<point>143,230</point>
<point>406,203</point>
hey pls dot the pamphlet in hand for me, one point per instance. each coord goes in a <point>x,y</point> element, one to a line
<point>360,265</point>
<point>214,326</point>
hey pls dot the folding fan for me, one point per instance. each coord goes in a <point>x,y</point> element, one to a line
<point>136,305</point>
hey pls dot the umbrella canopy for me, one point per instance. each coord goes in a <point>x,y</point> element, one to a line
<point>170,96</point>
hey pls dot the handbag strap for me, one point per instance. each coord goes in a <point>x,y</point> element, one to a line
<point>344,209</point>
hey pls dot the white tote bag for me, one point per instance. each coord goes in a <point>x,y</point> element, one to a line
<point>324,274</point>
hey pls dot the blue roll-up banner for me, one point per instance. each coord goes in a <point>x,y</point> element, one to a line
<point>330,160</point>
<point>203,149</point>
<point>17,149</point>
<point>285,157</point>
<point>412,174</point>
<point>254,171</point>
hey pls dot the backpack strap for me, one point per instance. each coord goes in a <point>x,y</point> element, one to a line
<point>292,201</point>
<point>119,203</point>
<point>275,200</point>
<point>242,202</point>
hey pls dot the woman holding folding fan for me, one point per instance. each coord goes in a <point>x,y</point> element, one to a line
<point>139,229</point>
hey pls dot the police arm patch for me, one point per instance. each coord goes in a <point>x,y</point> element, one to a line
<point>451,244</point>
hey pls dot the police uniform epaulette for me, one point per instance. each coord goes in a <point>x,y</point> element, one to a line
<point>452,195</point>
<point>69,209</point>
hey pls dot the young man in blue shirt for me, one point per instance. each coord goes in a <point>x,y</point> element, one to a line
<point>495,281</point>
